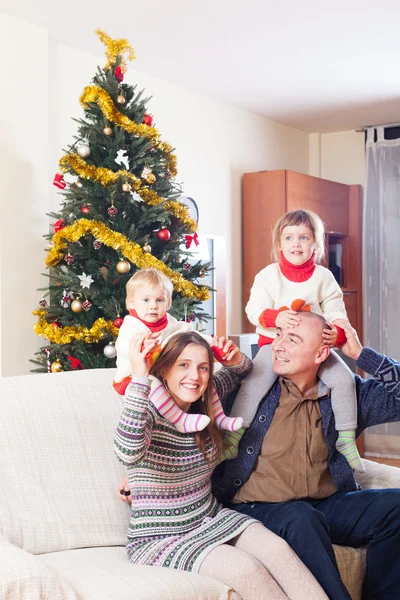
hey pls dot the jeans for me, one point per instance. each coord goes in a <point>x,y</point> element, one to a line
<point>365,517</point>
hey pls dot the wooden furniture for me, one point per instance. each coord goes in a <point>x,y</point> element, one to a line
<point>269,194</point>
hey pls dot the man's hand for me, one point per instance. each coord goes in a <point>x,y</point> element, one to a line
<point>226,352</point>
<point>352,346</point>
<point>330,336</point>
<point>287,319</point>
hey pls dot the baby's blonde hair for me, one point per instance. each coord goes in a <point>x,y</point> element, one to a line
<point>300,217</point>
<point>148,277</point>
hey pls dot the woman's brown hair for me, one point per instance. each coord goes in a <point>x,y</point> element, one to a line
<point>170,354</point>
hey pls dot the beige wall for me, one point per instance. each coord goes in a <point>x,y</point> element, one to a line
<point>338,156</point>
<point>215,143</point>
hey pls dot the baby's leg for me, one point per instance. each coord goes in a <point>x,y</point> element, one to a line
<point>222,421</point>
<point>337,376</point>
<point>184,422</point>
<point>241,571</point>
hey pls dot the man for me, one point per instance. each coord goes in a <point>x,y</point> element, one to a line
<point>289,475</point>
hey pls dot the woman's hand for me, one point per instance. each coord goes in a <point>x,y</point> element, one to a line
<point>141,344</point>
<point>226,351</point>
<point>287,319</point>
<point>124,493</point>
<point>330,336</point>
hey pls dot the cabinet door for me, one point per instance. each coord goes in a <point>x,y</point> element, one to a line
<point>350,302</point>
<point>330,200</point>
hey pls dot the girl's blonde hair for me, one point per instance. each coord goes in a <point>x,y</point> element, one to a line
<point>170,354</point>
<point>148,277</point>
<point>300,217</point>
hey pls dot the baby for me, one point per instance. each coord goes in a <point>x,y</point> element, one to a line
<point>148,298</point>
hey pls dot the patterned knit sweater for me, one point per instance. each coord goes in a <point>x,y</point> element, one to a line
<point>175,519</point>
<point>378,401</point>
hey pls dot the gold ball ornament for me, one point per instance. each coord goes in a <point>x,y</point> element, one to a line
<point>126,187</point>
<point>123,267</point>
<point>147,248</point>
<point>56,367</point>
<point>84,150</point>
<point>121,99</point>
<point>76,305</point>
<point>79,184</point>
<point>107,131</point>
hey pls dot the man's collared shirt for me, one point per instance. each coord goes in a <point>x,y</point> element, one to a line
<point>293,461</point>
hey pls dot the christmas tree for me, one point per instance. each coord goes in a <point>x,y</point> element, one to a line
<point>120,212</point>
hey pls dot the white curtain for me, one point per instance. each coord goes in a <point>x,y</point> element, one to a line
<point>381,268</point>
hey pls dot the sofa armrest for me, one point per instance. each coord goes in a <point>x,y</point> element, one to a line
<point>378,476</point>
<point>24,576</point>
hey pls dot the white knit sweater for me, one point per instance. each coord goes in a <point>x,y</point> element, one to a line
<point>271,289</point>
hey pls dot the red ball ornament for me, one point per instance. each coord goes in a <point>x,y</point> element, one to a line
<point>118,322</point>
<point>60,224</point>
<point>85,209</point>
<point>148,120</point>
<point>119,76</point>
<point>55,324</point>
<point>164,234</point>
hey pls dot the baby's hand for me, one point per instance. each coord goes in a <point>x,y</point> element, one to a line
<point>330,336</point>
<point>287,319</point>
<point>124,492</point>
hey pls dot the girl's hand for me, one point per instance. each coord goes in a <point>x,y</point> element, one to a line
<point>287,319</point>
<point>124,492</point>
<point>330,336</point>
<point>226,351</point>
<point>141,344</point>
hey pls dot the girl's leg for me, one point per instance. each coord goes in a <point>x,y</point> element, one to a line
<point>166,406</point>
<point>281,561</point>
<point>244,573</point>
<point>337,376</point>
<point>260,375</point>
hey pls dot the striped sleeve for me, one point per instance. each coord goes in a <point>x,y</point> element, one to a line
<point>133,434</point>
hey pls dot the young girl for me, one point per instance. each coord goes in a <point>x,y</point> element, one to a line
<point>296,282</point>
<point>148,298</point>
<point>175,520</point>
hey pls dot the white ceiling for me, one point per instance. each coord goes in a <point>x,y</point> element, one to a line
<point>315,65</point>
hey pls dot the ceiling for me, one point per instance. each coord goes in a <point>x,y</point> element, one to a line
<point>315,65</point>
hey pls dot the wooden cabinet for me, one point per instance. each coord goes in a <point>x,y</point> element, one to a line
<point>267,195</point>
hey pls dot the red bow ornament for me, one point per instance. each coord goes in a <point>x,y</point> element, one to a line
<point>119,74</point>
<point>191,238</point>
<point>75,362</point>
<point>58,181</point>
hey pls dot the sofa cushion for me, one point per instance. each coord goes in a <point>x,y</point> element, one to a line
<point>378,476</point>
<point>107,574</point>
<point>351,563</point>
<point>58,471</point>
<point>23,575</point>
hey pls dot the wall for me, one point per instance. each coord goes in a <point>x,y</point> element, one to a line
<point>23,188</point>
<point>215,144</point>
<point>338,156</point>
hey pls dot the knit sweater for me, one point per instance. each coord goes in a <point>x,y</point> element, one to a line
<point>378,401</point>
<point>175,519</point>
<point>273,290</point>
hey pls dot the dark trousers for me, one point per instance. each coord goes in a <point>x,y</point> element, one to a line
<point>367,517</point>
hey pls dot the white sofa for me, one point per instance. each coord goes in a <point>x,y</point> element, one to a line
<point>62,526</point>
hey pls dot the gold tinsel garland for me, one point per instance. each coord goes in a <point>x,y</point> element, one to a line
<point>107,177</point>
<point>66,335</point>
<point>115,48</point>
<point>96,94</point>
<point>131,250</point>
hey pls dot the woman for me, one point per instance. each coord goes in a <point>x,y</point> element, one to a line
<point>175,521</point>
